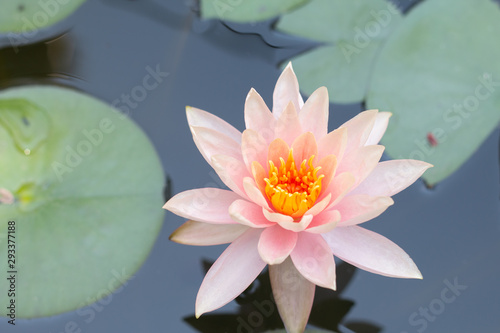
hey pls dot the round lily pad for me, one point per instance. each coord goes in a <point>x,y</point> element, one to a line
<point>439,74</point>
<point>26,16</point>
<point>87,187</point>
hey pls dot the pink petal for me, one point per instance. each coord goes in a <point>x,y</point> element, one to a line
<point>293,295</point>
<point>328,169</point>
<point>231,274</point>
<point>356,209</point>
<point>288,125</point>
<point>231,171</point>
<point>253,148</point>
<point>359,129</point>
<point>371,251</point>
<point>391,177</point>
<point>200,118</point>
<point>314,114</point>
<point>208,205</point>
<point>361,162</point>
<point>258,117</point>
<point>204,234</point>
<point>304,147</point>
<point>324,222</point>
<point>379,128</point>
<point>211,142</point>
<point>275,244</point>
<point>286,91</point>
<point>296,226</point>
<point>333,143</point>
<point>249,214</point>
<point>339,187</point>
<point>254,193</point>
<point>278,148</point>
<point>314,260</point>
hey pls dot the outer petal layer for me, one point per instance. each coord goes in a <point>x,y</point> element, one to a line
<point>293,294</point>
<point>211,142</point>
<point>231,274</point>
<point>371,252</point>
<point>391,177</point>
<point>231,171</point>
<point>361,162</point>
<point>258,117</point>
<point>356,209</point>
<point>200,118</point>
<point>381,122</point>
<point>359,129</point>
<point>208,205</point>
<point>204,234</point>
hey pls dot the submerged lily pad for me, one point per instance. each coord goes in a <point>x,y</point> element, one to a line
<point>439,74</point>
<point>88,194</point>
<point>353,32</point>
<point>246,11</point>
<point>27,16</point>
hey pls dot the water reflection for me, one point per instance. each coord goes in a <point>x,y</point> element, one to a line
<point>257,311</point>
<point>49,59</point>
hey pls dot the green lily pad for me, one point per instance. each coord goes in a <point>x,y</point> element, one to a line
<point>439,75</point>
<point>353,32</point>
<point>27,16</point>
<point>246,11</point>
<point>88,190</point>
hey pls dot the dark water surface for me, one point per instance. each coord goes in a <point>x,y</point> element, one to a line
<point>452,231</point>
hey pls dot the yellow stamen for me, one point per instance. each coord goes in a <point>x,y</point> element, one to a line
<point>293,191</point>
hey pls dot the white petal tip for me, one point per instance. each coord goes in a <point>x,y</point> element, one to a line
<point>199,311</point>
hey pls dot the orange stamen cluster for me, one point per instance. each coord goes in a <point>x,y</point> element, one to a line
<point>293,191</point>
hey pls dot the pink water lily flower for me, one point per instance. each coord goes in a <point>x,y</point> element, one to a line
<point>297,196</point>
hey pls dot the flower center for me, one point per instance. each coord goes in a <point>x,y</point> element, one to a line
<point>293,191</point>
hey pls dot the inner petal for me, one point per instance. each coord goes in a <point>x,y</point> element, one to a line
<point>292,189</point>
